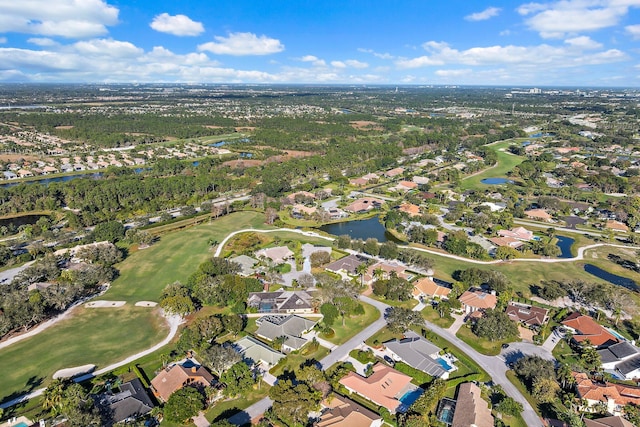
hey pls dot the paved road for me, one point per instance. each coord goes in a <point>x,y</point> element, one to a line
<point>495,367</point>
<point>338,354</point>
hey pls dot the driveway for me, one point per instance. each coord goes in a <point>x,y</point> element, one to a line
<point>553,339</point>
<point>518,350</point>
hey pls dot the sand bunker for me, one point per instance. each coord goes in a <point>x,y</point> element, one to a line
<point>146,304</point>
<point>74,372</point>
<point>104,304</point>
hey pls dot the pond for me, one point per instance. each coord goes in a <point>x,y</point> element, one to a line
<point>496,181</point>
<point>45,181</point>
<point>363,229</point>
<point>611,278</point>
<point>20,220</point>
<point>540,135</point>
<point>564,243</point>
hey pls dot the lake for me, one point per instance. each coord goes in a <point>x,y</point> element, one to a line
<point>45,181</point>
<point>611,278</point>
<point>363,229</point>
<point>496,181</point>
<point>564,243</point>
<point>20,220</point>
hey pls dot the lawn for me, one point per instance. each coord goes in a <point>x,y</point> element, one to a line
<point>506,162</point>
<point>431,314</point>
<point>481,345</point>
<point>295,359</point>
<point>146,272</point>
<point>352,325</point>
<point>104,336</point>
<point>96,336</point>
<point>229,407</point>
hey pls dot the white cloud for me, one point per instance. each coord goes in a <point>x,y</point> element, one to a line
<point>377,54</point>
<point>488,13</point>
<point>633,30</point>
<point>241,44</point>
<point>42,41</point>
<point>66,18</point>
<point>349,63</point>
<point>317,62</point>
<point>3,40</point>
<point>178,25</point>
<point>453,73</point>
<point>557,19</point>
<point>108,47</point>
<point>568,55</point>
<point>505,33</point>
<point>584,42</point>
<point>354,63</point>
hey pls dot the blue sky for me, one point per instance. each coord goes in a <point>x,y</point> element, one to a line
<point>465,42</point>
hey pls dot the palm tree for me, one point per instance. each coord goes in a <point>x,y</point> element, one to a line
<point>53,396</point>
<point>361,270</point>
<point>378,273</point>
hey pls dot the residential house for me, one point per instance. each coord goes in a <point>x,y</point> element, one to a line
<point>471,409</point>
<point>426,287</point>
<point>364,204</point>
<point>410,209</point>
<point>387,269</point>
<point>335,213</point>
<point>539,215</point>
<point>404,186</point>
<point>347,265</point>
<point>49,169</point>
<point>289,302</point>
<point>419,353</point>
<point>614,225</point>
<point>300,195</point>
<point>257,352</point>
<point>174,377</point>
<point>277,255</point>
<point>39,286</point>
<point>246,264</point>
<point>25,173</point>
<point>384,387</point>
<point>527,314</point>
<point>9,175</point>
<point>300,211</point>
<point>342,412</point>
<point>129,404</point>
<point>621,360</point>
<point>290,327</point>
<point>614,396</point>
<point>358,182</point>
<point>608,422</point>
<point>585,328</point>
<point>420,180</point>
<point>394,172</point>
<point>371,176</point>
<point>477,300</point>
<point>509,242</point>
<point>519,233</point>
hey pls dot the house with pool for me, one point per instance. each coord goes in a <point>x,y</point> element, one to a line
<point>385,387</point>
<point>420,354</point>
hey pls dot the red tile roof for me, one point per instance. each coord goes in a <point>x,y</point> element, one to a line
<point>588,329</point>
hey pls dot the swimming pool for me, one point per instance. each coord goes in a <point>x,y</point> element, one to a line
<point>411,396</point>
<point>444,364</point>
<point>617,335</point>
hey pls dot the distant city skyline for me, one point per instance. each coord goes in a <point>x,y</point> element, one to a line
<point>590,43</point>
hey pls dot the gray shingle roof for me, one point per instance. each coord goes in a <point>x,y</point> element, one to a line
<point>617,352</point>
<point>629,365</point>
<point>132,401</point>
<point>290,327</point>
<point>416,352</point>
<point>256,351</point>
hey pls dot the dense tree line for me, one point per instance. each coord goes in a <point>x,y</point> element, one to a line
<point>21,308</point>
